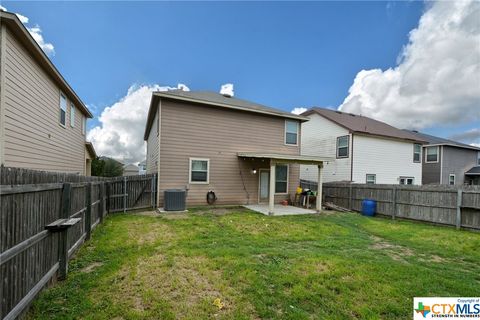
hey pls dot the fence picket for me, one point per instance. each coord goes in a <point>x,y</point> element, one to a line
<point>30,255</point>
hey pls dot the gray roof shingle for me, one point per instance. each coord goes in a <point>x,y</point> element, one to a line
<point>441,141</point>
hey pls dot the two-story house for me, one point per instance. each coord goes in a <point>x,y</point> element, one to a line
<point>449,162</point>
<point>245,152</point>
<point>365,150</point>
<point>42,120</point>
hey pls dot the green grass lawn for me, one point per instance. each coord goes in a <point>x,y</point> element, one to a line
<point>336,266</point>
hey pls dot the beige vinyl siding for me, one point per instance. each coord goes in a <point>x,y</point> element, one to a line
<point>34,137</point>
<point>218,134</point>
<point>152,147</point>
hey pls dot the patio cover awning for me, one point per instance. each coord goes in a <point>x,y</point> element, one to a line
<point>286,158</point>
<point>475,171</point>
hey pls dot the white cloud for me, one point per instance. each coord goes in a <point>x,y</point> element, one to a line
<point>120,134</point>
<point>36,33</point>
<point>437,79</point>
<point>471,136</point>
<point>299,110</point>
<point>47,47</point>
<point>23,19</point>
<point>227,89</point>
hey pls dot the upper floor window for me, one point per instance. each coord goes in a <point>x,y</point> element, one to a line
<point>199,170</point>
<point>291,132</point>
<point>63,109</point>
<point>371,178</point>
<point>72,115</point>
<point>342,146</point>
<point>84,124</point>
<point>281,178</point>
<point>417,152</point>
<point>478,158</point>
<point>431,154</point>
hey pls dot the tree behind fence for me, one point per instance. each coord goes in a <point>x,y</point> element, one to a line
<point>30,255</point>
<point>449,205</point>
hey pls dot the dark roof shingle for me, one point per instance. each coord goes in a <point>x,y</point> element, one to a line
<point>361,124</point>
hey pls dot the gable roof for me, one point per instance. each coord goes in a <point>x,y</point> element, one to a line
<point>216,100</point>
<point>437,141</point>
<point>363,125</point>
<point>18,29</point>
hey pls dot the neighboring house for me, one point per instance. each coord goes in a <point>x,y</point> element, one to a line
<point>89,156</point>
<point>365,150</point>
<point>142,167</point>
<point>449,162</point>
<point>203,141</point>
<point>42,120</point>
<point>130,170</point>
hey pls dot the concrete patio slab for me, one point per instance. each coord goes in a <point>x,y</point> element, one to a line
<point>279,210</point>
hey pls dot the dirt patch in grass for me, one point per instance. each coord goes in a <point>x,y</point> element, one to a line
<point>150,213</point>
<point>91,267</point>
<point>187,285</point>
<point>146,234</point>
<point>398,253</point>
<point>394,251</point>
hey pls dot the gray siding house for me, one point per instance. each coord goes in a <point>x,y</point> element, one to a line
<point>42,120</point>
<point>203,141</point>
<point>449,162</point>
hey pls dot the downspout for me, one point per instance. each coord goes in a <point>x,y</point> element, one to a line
<point>351,162</point>
<point>440,162</point>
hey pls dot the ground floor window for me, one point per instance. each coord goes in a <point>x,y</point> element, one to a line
<point>199,170</point>
<point>371,178</point>
<point>451,179</point>
<point>281,178</point>
<point>406,180</point>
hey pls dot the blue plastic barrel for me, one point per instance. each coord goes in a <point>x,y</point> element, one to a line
<point>369,207</point>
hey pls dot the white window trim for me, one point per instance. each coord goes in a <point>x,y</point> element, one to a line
<point>72,115</point>
<point>478,158</point>
<point>420,157</point>
<point>288,176</point>
<point>190,171</point>
<point>337,147</point>
<point>374,178</point>
<point>285,133</point>
<point>454,179</point>
<point>60,109</point>
<point>426,154</point>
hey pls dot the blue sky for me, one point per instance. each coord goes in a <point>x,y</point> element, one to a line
<point>281,54</point>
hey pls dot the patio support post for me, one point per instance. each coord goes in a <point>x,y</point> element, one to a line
<point>271,193</point>
<point>319,189</point>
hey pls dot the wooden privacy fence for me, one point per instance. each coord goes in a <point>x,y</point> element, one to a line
<point>449,205</point>
<point>44,223</point>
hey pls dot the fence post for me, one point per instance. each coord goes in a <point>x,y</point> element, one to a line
<point>350,196</point>
<point>394,202</point>
<point>63,236</point>
<point>108,197</point>
<point>124,194</point>
<point>459,208</point>
<point>88,210</point>
<point>101,209</point>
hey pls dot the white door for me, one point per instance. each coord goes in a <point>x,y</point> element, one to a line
<point>264,184</point>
